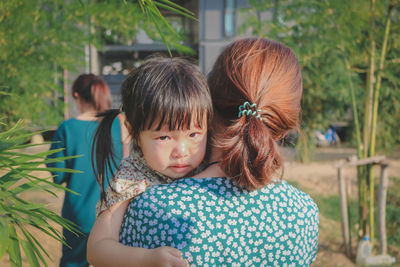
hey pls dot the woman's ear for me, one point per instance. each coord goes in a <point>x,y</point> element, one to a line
<point>75,95</point>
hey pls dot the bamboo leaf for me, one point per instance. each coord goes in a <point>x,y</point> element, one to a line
<point>162,36</point>
<point>28,207</point>
<point>50,169</point>
<point>46,228</point>
<point>14,129</point>
<point>3,235</point>
<point>18,139</point>
<point>176,6</point>
<point>157,16</point>
<point>44,180</point>
<point>34,241</point>
<point>176,11</point>
<point>72,227</point>
<point>8,180</point>
<point>13,247</point>
<point>27,246</point>
<point>33,156</point>
<point>19,146</point>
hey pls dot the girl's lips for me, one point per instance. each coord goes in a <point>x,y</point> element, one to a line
<point>179,168</point>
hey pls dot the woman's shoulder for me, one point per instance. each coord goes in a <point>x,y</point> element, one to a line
<point>296,194</point>
<point>73,122</point>
<point>280,191</point>
<point>73,127</point>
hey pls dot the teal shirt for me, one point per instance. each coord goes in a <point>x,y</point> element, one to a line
<point>215,223</point>
<point>76,136</point>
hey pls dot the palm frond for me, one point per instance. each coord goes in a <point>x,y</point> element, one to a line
<point>18,215</point>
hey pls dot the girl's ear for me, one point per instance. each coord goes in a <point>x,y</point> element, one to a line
<point>128,126</point>
<point>76,95</point>
<point>136,141</point>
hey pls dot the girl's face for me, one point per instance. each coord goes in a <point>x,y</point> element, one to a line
<point>174,153</point>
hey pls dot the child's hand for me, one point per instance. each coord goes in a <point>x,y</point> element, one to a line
<point>166,257</point>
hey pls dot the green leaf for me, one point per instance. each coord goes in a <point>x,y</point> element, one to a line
<point>8,180</point>
<point>13,247</point>
<point>176,6</point>
<point>52,184</point>
<point>3,235</point>
<point>28,207</point>
<point>28,246</point>
<point>185,12</point>
<point>42,154</point>
<point>50,169</point>
<point>162,35</point>
<point>34,241</point>
<point>159,19</point>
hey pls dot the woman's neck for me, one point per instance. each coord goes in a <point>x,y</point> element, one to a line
<point>89,115</point>
<point>87,111</point>
<point>213,170</point>
<point>215,154</point>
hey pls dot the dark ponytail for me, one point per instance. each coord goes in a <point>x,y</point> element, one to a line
<point>103,155</point>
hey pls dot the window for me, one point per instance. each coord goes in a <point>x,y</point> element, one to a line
<point>229,18</point>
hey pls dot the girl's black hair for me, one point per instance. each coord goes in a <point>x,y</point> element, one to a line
<point>162,91</point>
<point>103,148</point>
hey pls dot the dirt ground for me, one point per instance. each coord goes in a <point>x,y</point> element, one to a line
<point>318,177</point>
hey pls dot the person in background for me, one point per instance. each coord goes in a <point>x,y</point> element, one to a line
<point>75,135</point>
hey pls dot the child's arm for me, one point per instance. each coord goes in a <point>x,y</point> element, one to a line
<point>104,249</point>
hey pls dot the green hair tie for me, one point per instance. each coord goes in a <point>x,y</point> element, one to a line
<point>249,109</point>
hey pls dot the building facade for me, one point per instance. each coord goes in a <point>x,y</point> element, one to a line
<point>219,21</point>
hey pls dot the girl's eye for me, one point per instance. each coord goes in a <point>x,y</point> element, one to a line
<point>194,134</point>
<point>163,138</point>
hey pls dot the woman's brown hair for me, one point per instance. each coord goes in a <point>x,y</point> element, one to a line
<point>94,90</point>
<point>268,74</point>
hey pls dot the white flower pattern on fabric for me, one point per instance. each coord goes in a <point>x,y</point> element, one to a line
<point>248,229</point>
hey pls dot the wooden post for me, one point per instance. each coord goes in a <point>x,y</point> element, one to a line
<point>344,213</point>
<point>377,160</point>
<point>382,209</point>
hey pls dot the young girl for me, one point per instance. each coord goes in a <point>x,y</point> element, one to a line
<point>168,107</point>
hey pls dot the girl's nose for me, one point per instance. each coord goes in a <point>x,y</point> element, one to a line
<point>181,150</point>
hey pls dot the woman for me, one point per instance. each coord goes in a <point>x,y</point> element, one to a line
<point>237,211</point>
<point>75,135</point>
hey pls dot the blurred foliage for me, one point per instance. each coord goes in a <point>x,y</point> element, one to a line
<point>305,147</point>
<point>18,216</point>
<point>392,212</point>
<point>41,38</point>
<point>330,39</point>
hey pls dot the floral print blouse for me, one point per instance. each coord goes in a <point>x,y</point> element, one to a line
<point>132,178</point>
